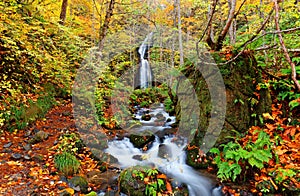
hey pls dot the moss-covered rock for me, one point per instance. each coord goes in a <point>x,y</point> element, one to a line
<point>140,140</point>
<point>131,184</point>
<point>240,78</point>
<point>79,183</point>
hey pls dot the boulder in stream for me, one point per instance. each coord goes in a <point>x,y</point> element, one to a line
<point>164,151</point>
<point>141,140</point>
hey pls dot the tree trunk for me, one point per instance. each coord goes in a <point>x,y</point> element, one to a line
<point>210,33</point>
<point>231,16</point>
<point>232,28</point>
<point>105,26</point>
<point>179,32</point>
<point>63,13</point>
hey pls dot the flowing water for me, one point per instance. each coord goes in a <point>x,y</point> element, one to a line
<point>173,164</point>
<point>145,73</point>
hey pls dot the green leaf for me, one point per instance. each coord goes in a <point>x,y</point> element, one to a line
<point>215,151</point>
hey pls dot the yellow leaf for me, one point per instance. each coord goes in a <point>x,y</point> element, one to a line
<point>69,190</point>
<point>267,116</point>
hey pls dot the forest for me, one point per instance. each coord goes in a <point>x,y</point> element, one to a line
<point>150,97</point>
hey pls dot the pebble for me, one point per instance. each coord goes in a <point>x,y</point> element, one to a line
<point>7,145</point>
<point>27,147</point>
<point>16,156</point>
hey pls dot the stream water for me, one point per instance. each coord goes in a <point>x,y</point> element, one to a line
<point>172,163</point>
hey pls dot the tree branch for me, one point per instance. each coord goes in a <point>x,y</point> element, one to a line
<point>256,38</point>
<point>258,30</point>
<point>287,56</point>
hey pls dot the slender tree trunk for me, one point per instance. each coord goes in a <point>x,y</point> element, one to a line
<point>105,26</point>
<point>285,51</point>
<point>63,12</point>
<point>232,28</point>
<point>180,32</point>
<point>210,31</point>
<point>231,16</point>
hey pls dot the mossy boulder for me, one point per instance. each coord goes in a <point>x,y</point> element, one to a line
<point>140,140</point>
<point>131,184</point>
<point>242,104</point>
<point>79,183</point>
<point>137,179</point>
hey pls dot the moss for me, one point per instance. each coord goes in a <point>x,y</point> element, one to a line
<point>81,182</point>
<point>131,185</point>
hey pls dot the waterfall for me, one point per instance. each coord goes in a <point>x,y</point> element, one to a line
<point>145,73</point>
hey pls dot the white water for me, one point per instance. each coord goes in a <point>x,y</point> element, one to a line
<point>173,165</point>
<point>145,69</point>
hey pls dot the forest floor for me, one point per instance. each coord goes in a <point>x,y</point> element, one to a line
<point>27,169</point>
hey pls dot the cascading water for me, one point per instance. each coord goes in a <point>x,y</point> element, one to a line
<point>145,73</point>
<point>173,163</point>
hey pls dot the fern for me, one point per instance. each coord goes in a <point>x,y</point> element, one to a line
<point>234,156</point>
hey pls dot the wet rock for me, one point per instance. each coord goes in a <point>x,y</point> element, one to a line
<point>79,183</point>
<point>141,140</point>
<point>160,117</point>
<point>164,151</point>
<point>38,137</point>
<point>7,145</point>
<point>16,156</point>
<point>146,117</point>
<point>166,132</point>
<point>138,157</point>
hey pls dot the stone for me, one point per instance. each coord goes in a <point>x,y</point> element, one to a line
<point>138,157</point>
<point>160,117</point>
<point>130,185</point>
<point>38,137</point>
<point>27,147</point>
<point>166,132</point>
<point>103,179</point>
<point>27,157</point>
<point>140,140</point>
<point>164,151</point>
<point>7,145</point>
<point>103,156</point>
<point>79,183</point>
<point>16,156</point>
<point>146,117</point>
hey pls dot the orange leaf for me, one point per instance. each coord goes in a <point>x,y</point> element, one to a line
<point>161,176</point>
<point>169,187</point>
